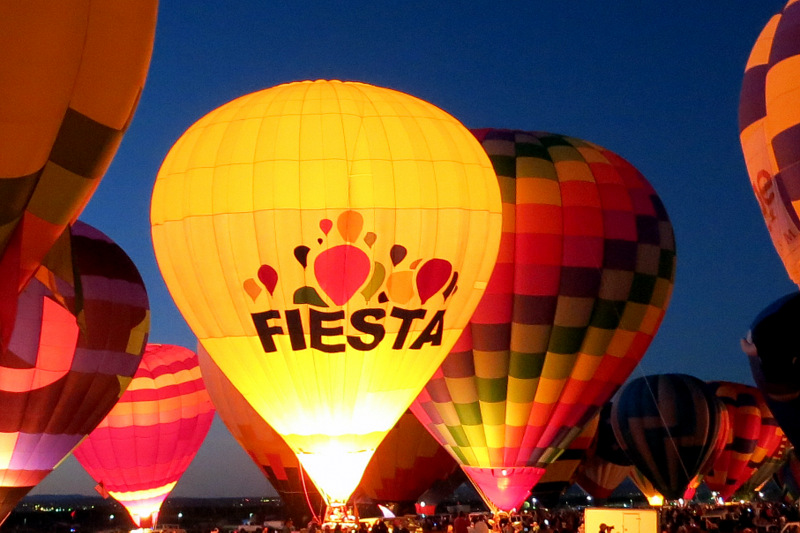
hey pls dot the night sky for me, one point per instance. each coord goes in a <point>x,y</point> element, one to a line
<point>656,82</point>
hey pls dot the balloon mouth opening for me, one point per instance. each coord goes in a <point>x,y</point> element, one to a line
<point>335,471</point>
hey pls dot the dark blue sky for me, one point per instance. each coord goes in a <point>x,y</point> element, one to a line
<point>656,82</point>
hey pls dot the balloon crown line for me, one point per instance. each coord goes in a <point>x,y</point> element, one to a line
<point>340,271</point>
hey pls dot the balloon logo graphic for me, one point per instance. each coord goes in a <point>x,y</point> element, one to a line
<point>335,239</point>
<point>72,74</point>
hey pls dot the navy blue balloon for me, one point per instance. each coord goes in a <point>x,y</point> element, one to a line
<point>773,348</point>
<point>667,425</point>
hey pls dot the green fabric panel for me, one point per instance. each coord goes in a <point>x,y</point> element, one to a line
<point>566,340</point>
<point>469,413</point>
<point>461,457</point>
<point>642,288</point>
<point>559,366</point>
<point>554,140</point>
<point>15,192</point>
<point>504,165</point>
<point>525,365</point>
<point>565,153</point>
<point>666,264</point>
<point>606,314</point>
<point>491,389</point>
<point>521,391</point>
<point>458,434</point>
<point>532,150</point>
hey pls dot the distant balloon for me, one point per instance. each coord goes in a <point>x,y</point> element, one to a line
<point>772,345</point>
<point>646,487</point>
<point>72,74</point>
<point>582,281</point>
<point>769,132</point>
<point>667,425</point>
<point>81,328</point>
<point>140,450</point>
<point>755,435</point>
<point>605,465</point>
<point>380,216</point>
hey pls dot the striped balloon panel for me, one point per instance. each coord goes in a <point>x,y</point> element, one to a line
<point>263,444</point>
<point>73,72</point>
<point>605,465</point>
<point>142,447</point>
<point>667,425</point>
<point>725,432</point>
<point>79,336</point>
<point>769,125</point>
<point>745,408</point>
<point>767,470</point>
<point>560,474</point>
<point>583,277</point>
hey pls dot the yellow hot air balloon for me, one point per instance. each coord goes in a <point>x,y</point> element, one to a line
<point>327,241</point>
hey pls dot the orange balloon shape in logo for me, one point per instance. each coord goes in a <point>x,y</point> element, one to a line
<point>332,240</point>
<point>70,79</point>
<point>80,331</point>
<point>140,450</point>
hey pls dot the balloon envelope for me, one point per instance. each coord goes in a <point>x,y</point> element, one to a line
<point>582,281</point>
<point>667,425</point>
<point>78,339</point>
<point>769,131</point>
<point>754,436</point>
<point>70,80</point>
<point>605,465</point>
<point>334,240</point>
<point>771,346</point>
<point>141,449</point>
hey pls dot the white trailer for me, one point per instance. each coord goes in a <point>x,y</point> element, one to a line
<point>622,520</point>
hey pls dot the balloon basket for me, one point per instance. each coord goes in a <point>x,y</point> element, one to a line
<point>337,513</point>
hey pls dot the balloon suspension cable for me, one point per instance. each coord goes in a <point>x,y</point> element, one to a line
<point>305,493</point>
<point>666,428</point>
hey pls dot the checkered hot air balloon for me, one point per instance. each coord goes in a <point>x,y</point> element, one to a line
<point>140,450</point>
<point>769,125</point>
<point>70,79</point>
<point>81,327</point>
<point>582,281</point>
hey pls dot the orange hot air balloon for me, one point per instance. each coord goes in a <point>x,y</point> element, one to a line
<point>582,282</point>
<point>755,435</point>
<point>140,450</point>
<point>334,239</point>
<point>80,331</point>
<point>70,80</point>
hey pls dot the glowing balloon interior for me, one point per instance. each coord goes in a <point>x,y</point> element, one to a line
<point>333,239</point>
<point>769,125</point>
